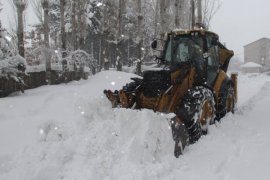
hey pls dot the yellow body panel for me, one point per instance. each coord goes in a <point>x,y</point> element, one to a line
<point>221,77</point>
<point>168,101</point>
<point>224,55</point>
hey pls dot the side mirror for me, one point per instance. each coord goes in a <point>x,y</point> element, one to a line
<point>154,44</point>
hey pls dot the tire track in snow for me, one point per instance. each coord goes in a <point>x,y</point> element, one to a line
<point>239,139</point>
<point>249,105</point>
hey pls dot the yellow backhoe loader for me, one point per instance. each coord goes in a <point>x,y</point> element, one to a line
<point>193,84</point>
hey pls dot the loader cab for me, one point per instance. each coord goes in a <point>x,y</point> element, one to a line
<point>197,47</point>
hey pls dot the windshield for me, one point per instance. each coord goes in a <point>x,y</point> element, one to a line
<point>183,48</point>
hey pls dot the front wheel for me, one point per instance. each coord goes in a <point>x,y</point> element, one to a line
<point>197,111</point>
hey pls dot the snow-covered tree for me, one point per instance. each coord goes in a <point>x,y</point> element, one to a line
<point>48,13</point>
<point>94,16</point>
<point>116,32</point>
<point>12,65</point>
<point>6,49</point>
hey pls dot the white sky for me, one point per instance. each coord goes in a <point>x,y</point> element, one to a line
<point>240,22</point>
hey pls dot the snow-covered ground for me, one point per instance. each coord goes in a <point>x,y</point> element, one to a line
<point>70,132</point>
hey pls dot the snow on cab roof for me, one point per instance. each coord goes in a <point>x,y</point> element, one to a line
<point>251,64</point>
<point>187,31</point>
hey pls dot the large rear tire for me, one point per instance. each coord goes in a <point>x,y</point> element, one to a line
<point>197,111</point>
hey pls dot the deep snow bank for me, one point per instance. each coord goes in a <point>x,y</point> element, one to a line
<point>68,131</point>
<point>71,132</point>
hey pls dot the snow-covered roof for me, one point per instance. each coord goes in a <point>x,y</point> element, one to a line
<point>257,41</point>
<point>251,65</point>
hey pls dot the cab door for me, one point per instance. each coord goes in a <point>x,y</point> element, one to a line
<point>212,61</point>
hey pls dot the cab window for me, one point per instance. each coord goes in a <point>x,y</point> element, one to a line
<point>213,60</point>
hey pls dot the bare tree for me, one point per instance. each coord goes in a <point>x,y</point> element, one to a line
<point>37,7</point>
<point>63,32</point>
<point>156,19</point>
<point>166,16</point>
<point>140,37</point>
<point>45,6</point>
<point>13,25</point>
<point>202,11</point>
<point>109,33</point>
<point>121,12</point>
<point>21,6</point>
<point>48,14</point>
<point>177,5</point>
<point>1,6</point>
<point>192,9</point>
<point>78,22</point>
<point>199,11</point>
<point>81,22</point>
<point>74,24</point>
<point>140,24</point>
<point>209,9</point>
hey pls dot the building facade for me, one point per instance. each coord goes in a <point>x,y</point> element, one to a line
<point>258,52</point>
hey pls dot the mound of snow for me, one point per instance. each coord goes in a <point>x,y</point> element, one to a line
<point>70,132</point>
<point>251,65</point>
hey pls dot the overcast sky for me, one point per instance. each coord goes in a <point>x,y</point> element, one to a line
<point>238,22</point>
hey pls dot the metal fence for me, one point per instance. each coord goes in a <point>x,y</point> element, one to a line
<point>32,80</point>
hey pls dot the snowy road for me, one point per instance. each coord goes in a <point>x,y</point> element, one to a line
<point>70,132</point>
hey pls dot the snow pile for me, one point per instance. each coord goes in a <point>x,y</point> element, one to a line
<point>251,65</point>
<point>70,132</point>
